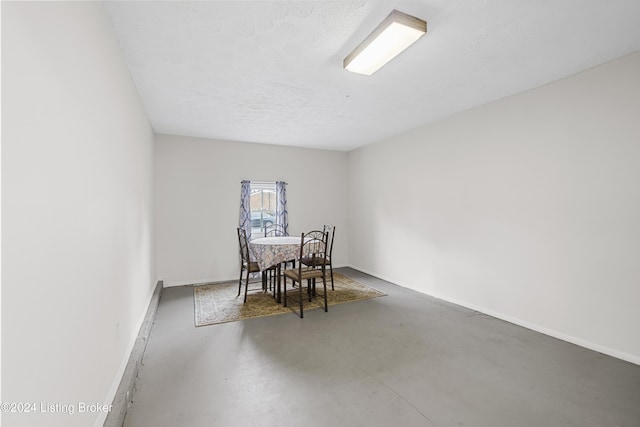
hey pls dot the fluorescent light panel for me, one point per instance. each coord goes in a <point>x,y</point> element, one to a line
<point>397,32</point>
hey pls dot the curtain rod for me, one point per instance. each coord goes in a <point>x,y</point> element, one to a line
<point>262,182</point>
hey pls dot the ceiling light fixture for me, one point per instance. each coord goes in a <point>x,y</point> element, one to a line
<point>397,32</point>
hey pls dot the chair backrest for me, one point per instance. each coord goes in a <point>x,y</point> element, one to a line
<point>313,247</point>
<point>274,230</point>
<point>244,246</point>
<point>331,232</point>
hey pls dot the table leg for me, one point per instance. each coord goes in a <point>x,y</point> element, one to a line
<point>278,272</point>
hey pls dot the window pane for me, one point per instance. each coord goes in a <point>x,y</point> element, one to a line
<point>263,208</point>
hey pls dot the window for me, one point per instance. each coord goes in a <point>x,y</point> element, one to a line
<point>263,204</point>
<point>263,207</point>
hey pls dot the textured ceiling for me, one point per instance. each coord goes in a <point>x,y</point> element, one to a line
<point>271,72</point>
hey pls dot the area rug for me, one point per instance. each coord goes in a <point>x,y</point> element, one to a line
<point>218,303</point>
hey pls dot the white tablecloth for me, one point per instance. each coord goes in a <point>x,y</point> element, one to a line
<point>270,251</point>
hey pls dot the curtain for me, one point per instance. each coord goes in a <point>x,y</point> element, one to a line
<point>282,215</point>
<point>245,208</point>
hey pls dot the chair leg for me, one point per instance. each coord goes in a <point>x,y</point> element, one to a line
<point>273,274</point>
<point>300,294</point>
<point>277,282</point>
<point>284,297</point>
<point>324,285</point>
<point>274,280</point>
<point>331,270</point>
<point>246,286</point>
<point>240,282</point>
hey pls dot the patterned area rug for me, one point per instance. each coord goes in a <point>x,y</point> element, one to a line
<point>218,303</point>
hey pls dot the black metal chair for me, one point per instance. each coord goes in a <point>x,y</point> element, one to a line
<point>330,230</point>
<point>247,265</point>
<point>272,230</point>
<point>313,245</point>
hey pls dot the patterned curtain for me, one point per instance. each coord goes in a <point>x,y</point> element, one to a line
<point>245,208</point>
<point>282,215</point>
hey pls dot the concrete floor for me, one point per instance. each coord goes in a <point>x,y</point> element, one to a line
<point>404,359</point>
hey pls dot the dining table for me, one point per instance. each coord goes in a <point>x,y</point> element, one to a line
<point>274,251</point>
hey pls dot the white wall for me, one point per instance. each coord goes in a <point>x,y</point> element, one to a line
<point>526,208</point>
<point>197,201</point>
<point>77,248</point>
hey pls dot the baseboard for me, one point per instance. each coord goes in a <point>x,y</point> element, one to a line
<point>200,281</point>
<point>124,394</point>
<point>534,327</point>
<point>550,332</point>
